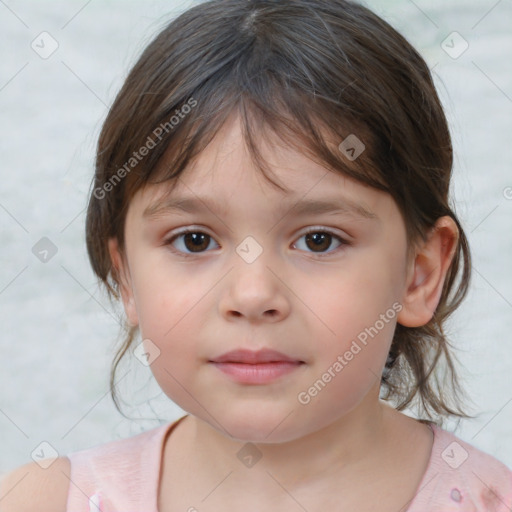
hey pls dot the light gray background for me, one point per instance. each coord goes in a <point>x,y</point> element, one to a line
<point>58,331</point>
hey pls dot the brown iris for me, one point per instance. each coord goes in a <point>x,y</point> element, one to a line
<point>320,240</point>
<point>197,241</point>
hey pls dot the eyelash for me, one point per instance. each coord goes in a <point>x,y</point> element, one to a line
<point>342,241</point>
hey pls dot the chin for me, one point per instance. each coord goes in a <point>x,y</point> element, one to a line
<point>260,427</point>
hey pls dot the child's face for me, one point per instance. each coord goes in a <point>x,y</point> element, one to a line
<point>316,300</point>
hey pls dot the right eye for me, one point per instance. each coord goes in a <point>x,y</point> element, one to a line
<point>190,239</point>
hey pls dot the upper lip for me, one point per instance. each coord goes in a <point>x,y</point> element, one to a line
<point>253,357</point>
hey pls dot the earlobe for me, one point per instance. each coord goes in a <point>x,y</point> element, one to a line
<point>121,274</point>
<point>427,274</point>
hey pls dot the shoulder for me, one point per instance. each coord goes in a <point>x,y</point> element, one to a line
<point>30,487</point>
<point>124,464</point>
<point>475,475</point>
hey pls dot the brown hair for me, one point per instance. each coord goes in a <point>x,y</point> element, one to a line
<point>300,68</point>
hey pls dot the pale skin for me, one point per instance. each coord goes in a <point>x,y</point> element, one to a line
<point>306,304</point>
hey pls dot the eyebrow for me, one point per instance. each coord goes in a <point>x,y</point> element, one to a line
<point>336,206</point>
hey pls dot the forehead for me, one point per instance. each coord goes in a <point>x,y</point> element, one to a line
<point>224,174</point>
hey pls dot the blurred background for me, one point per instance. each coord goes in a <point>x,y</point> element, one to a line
<point>61,64</point>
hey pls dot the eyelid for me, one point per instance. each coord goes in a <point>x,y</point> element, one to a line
<point>326,229</point>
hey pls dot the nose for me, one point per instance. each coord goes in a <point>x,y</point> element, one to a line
<point>256,292</point>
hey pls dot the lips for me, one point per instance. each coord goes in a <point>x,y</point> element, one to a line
<point>247,367</point>
<point>262,356</point>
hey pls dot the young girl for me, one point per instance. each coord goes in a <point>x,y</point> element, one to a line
<point>271,205</point>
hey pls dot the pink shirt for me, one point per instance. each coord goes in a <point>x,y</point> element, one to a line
<point>123,476</point>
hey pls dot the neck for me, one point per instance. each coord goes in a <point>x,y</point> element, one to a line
<point>345,448</point>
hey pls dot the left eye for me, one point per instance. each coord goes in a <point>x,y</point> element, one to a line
<point>320,240</point>
<point>197,241</point>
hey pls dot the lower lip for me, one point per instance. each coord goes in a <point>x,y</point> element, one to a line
<point>261,373</point>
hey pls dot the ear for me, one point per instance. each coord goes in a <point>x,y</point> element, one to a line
<point>122,276</point>
<point>427,274</point>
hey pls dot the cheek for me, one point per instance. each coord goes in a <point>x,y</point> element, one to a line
<point>354,337</point>
<point>166,296</point>
<point>173,306</point>
<point>356,314</point>
<point>352,301</point>
<point>171,314</point>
